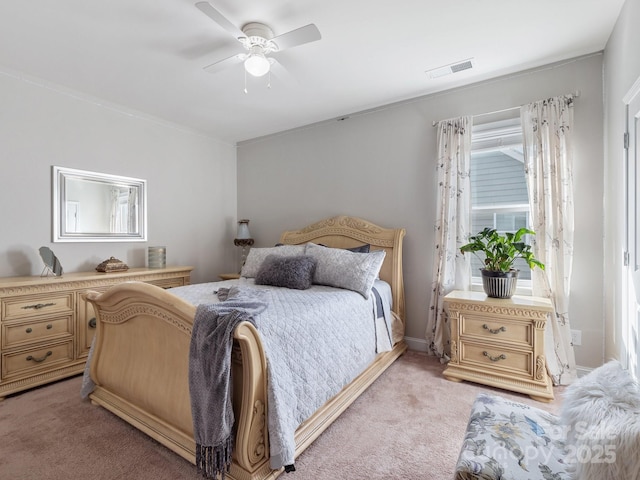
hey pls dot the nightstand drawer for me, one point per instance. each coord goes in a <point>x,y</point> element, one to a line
<point>496,357</point>
<point>496,330</point>
<point>35,359</point>
<point>26,333</point>
<point>28,307</point>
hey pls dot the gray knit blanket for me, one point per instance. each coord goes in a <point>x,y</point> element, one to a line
<point>210,376</point>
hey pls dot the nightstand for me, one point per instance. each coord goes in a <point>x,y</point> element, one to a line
<point>499,342</point>
<point>229,276</point>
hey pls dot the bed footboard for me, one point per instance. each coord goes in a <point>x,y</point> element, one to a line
<point>140,367</point>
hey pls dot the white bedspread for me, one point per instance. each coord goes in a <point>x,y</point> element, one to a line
<point>316,341</point>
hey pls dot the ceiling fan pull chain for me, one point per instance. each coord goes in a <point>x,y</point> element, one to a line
<point>245,82</point>
<point>269,81</point>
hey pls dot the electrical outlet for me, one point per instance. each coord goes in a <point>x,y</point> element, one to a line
<point>576,337</point>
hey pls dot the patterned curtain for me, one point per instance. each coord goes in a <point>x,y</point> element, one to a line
<point>547,127</point>
<point>451,270</point>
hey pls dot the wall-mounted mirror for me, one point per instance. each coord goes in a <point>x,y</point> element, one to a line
<point>98,207</point>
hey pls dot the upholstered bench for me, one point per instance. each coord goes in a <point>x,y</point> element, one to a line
<point>595,437</point>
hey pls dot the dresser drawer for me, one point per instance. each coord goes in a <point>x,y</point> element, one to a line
<point>497,358</point>
<point>497,330</point>
<point>27,307</point>
<point>167,282</point>
<point>33,360</point>
<point>26,333</point>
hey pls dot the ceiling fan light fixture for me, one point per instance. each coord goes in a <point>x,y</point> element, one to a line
<point>257,64</point>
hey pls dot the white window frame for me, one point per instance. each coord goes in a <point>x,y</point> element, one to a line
<point>500,136</point>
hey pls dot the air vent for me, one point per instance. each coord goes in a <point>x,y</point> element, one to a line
<point>449,69</point>
<point>458,67</point>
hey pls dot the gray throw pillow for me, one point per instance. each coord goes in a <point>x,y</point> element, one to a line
<point>256,256</point>
<point>341,268</point>
<point>366,248</point>
<point>290,272</point>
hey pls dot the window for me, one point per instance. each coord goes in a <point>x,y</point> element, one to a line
<point>499,196</point>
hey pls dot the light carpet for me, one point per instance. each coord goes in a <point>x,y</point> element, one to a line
<point>408,425</point>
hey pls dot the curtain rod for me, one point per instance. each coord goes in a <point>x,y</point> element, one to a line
<point>575,94</point>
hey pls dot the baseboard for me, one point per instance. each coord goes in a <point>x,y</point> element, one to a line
<point>416,344</point>
<point>582,371</point>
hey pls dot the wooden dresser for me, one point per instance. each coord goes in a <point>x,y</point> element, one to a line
<point>46,325</point>
<point>499,342</point>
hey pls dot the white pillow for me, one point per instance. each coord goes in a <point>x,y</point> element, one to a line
<point>341,268</point>
<point>257,255</point>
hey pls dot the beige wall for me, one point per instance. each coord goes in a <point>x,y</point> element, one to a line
<point>191,180</point>
<point>622,69</point>
<point>380,166</point>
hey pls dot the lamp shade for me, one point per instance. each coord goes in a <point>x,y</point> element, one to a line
<point>243,237</point>
<point>243,230</point>
<point>257,64</point>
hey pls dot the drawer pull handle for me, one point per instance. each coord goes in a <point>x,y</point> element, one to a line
<point>38,360</point>
<point>494,331</point>
<point>92,323</point>
<point>38,306</point>
<point>49,327</point>
<point>502,356</point>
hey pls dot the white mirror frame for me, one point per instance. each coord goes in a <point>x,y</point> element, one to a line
<point>61,233</point>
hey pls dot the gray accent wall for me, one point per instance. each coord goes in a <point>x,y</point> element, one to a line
<point>380,165</point>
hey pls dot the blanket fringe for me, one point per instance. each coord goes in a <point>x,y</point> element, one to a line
<point>214,461</point>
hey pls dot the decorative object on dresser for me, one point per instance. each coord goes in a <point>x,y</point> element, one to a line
<point>51,263</point>
<point>47,325</point>
<point>499,277</point>
<point>243,238</point>
<point>135,319</point>
<point>112,264</point>
<point>157,257</point>
<point>499,342</point>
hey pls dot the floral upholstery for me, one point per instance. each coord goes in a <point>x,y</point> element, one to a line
<point>510,440</point>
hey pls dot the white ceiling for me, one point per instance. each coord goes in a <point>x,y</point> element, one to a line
<point>148,55</point>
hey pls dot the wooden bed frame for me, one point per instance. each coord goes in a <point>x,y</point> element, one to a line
<point>140,358</point>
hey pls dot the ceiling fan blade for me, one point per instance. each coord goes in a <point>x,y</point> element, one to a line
<point>299,36</point>
<point>282,74</point>
<point>225,63</point>
<point>216,16</point>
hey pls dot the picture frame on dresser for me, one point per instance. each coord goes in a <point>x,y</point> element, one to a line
<point>51,263</point>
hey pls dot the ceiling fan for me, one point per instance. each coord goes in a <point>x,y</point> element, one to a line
<point>258,41</point>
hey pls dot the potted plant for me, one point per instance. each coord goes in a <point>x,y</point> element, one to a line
<point>499,278</point>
